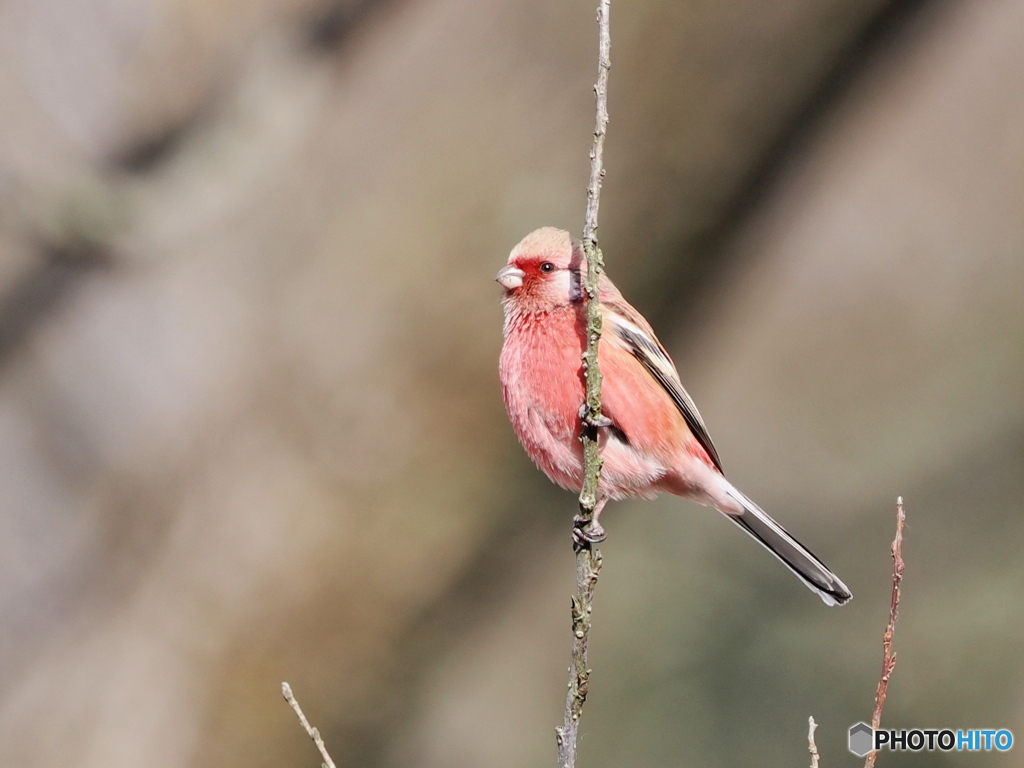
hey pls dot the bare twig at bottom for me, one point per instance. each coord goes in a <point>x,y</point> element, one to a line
<point>314,734</point>
<point>811,746</point>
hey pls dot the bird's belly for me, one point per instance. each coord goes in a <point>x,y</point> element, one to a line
<point>551,437</point>
<point>543,405</point>
<point>543,387</point>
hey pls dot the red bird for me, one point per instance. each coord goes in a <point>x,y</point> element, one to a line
<point>653,439</point>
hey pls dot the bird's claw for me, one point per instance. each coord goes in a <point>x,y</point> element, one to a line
<point>602,421</point>
<point>586,533</point>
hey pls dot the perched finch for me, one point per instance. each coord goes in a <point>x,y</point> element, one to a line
<point>652,438</point>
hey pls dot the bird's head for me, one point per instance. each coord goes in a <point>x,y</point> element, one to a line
<point>543,271</point>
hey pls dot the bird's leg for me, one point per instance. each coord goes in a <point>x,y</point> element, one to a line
<point>585,534</point>
<point>587,530</point>
<point>594,424</point>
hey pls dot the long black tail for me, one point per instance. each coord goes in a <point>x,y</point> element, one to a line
<point>794,555</point>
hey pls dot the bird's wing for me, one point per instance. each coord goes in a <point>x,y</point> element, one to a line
<point>629,329</point>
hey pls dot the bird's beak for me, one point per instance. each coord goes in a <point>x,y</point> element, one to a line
<point>510,277</point>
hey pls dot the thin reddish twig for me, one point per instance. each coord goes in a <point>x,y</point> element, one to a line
<point>889,656</point>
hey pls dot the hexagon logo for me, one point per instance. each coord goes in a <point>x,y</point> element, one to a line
<point>862,739</point>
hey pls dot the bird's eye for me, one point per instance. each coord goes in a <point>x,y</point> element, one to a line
<point>547,266</point>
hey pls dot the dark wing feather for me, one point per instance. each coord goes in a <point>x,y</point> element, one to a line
<point>645,347</point>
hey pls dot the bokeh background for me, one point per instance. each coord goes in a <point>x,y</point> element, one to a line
<point>250,423</point>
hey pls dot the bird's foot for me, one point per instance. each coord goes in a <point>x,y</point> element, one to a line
<point>602,421</point>
<point>586,533</point>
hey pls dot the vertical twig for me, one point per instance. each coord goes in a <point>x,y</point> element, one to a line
<point>314,734</point>
<point>604,63</point>
<point>811,746</point>
<point>588,560</point>
<point>588,564</point>
<point>595,265</point>
<point>888,655</point>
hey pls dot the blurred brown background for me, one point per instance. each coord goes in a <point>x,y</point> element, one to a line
<point>250,425</point>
